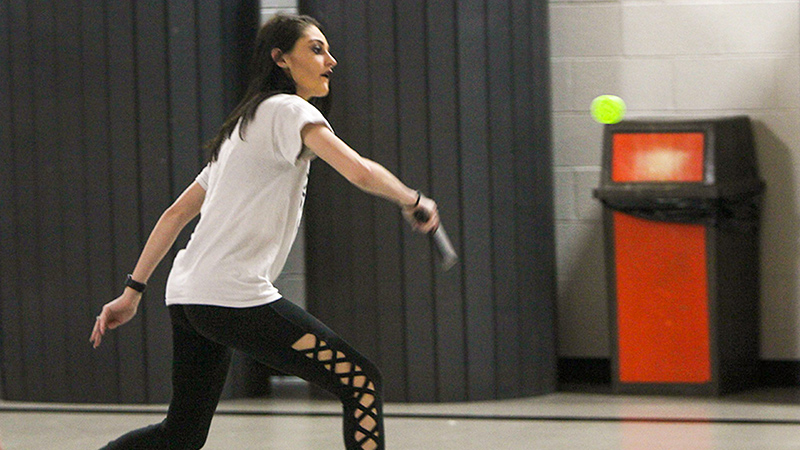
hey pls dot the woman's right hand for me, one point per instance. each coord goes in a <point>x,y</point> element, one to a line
<point>115,313</point>
<point>426,208</point>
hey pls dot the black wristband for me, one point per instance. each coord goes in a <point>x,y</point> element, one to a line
<point>416,203</point>
<point>135,285</point>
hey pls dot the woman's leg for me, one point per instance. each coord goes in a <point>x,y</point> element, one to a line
<point>199,368</point>
<point>287,338</point>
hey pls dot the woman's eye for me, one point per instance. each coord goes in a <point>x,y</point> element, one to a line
<point>317,50</point>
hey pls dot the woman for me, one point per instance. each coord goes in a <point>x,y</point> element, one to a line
<point>250,197</point>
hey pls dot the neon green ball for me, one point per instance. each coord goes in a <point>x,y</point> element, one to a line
<point>608,109</point>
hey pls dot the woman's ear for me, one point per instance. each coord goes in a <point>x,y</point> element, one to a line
<point>277,56</point>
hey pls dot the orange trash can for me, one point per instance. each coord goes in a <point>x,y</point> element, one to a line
<point>681,223</point>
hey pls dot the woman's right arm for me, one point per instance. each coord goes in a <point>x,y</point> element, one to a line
<point>166,231</point>
<point>368,175</point>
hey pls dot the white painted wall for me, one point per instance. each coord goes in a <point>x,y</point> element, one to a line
<point>270,7</point>
<point>675,59</point>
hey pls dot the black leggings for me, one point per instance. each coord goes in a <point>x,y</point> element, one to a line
<point>280,335</point>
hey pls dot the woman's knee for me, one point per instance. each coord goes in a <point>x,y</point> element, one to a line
<point>152,436</point>
<point>188,437</point>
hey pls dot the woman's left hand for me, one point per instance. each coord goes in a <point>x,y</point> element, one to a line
<point>115,313</point>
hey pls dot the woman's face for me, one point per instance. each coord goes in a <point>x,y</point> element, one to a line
<point>309,64</point>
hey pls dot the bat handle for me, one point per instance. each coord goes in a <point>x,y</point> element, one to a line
<point>422,216</point>
<point>444,248</point>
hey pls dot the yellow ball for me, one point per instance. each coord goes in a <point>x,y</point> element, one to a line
<point>608,109</point>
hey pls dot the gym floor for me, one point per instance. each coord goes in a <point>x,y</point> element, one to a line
<point>759,419</point>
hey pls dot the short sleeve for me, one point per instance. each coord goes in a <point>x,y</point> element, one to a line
<point>202,178</point>
<point>291,116</point>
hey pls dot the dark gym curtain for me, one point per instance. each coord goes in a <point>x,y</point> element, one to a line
<point>453,96</point>
<point>105,106</point>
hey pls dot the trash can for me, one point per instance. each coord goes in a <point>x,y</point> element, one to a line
<point>681,224</point>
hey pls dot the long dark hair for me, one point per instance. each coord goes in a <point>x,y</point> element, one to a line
<point>267,79</point>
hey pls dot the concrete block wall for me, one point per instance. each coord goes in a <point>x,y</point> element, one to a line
<point>270,7</point>
<point>675,59</point>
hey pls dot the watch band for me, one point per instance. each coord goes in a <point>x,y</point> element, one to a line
<point>135,285</point>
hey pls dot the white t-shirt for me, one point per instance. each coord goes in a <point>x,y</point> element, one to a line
<point>254,200</point>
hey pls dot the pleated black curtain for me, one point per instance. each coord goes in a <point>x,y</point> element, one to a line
<point>453,96</point>
<point>105,106</point>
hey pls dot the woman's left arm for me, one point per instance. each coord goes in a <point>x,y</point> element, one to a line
<point>185,208</point>
<point>122,309</point>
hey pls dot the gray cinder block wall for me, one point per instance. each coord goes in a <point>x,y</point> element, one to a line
<point>675,59</point>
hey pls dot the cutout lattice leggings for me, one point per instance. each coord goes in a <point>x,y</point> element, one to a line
<point>280,335</point>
